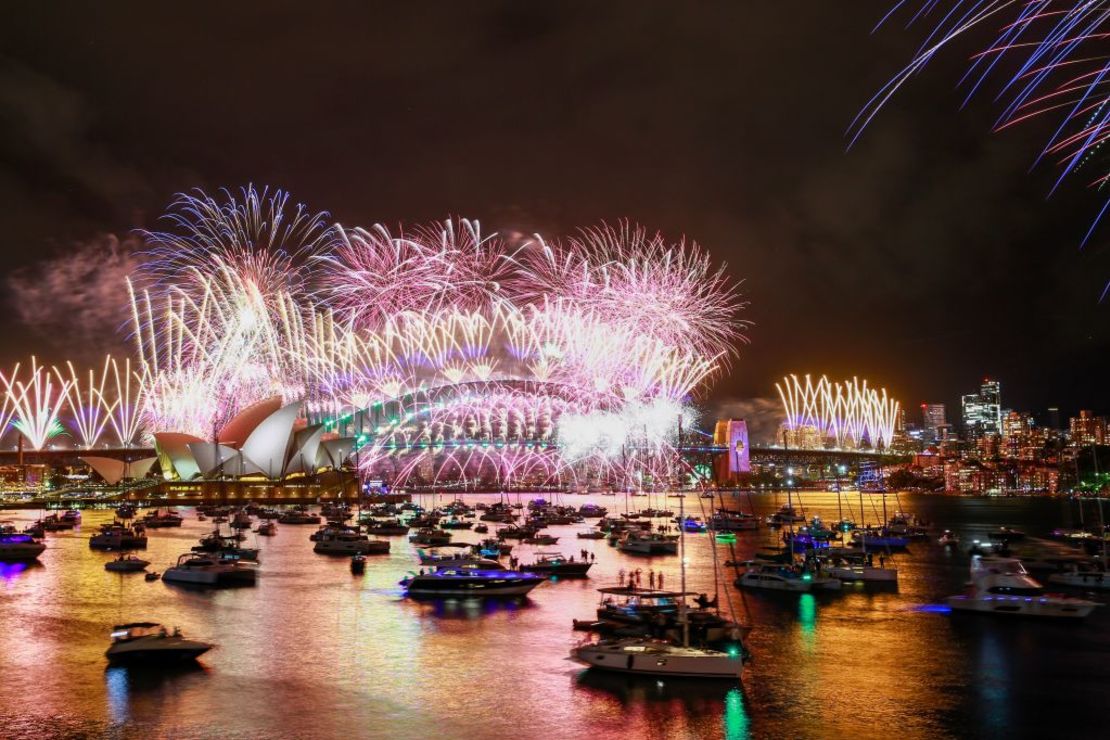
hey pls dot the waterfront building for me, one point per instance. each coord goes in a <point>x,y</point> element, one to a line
<point>1087,429</point>
<point>934,420</point>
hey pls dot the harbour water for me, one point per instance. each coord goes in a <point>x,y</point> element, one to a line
<point>313,651</point>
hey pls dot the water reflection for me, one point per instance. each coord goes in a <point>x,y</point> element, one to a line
<point>11,571</point>
<point>310,635</point>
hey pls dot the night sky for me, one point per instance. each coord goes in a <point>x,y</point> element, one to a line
<point>924,259</point>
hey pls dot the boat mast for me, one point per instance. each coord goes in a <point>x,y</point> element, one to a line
<point>682,555</point>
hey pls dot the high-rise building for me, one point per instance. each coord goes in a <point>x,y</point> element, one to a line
<point>1087,429</point>
<point>982,411</point>
<point>933,420</point>
<point>1053,420</point>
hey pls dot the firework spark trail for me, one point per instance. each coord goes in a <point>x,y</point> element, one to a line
<point>491,355</point>
<point>1057,64</point>
<point>36,404</point>
<point>89,413</point>
<point>849,414</point>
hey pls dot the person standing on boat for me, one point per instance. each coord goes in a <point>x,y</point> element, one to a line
<point>651,579</point>
<point>659,580</point>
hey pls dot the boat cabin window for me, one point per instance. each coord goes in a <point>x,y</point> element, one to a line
<point>1015,591</point>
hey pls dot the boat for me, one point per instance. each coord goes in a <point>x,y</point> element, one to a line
<point>639,542</point>
<point>358,563</point>
<point>118,536</point>
<point>153,576</point>
<point>445,560</point>
<point>125,511</point>
<point>1006,534</point>
<point>54,523</point>
<point>541,539</point>
<point>150,643</point>
<point>158,520</point>
<point>455,524</point>
<point>241,520</point>
<point>72,516</point>
<point>592,511</point>
<point>1003,586</point>
<point>860,569</point>
<point>646,656</point>
<point>348,542</point>
<point>217,543</point>
<point>556,564</point>
<point>431,537</point>
<point>786,514</point>
<point>1088,578</point>
<point>471,582</point>
<point>724,520</point>
<point>481,529</point>
<point>665,657</point>
<point>298,516</point>
<point>266,529</point>
<point>948,539</point>
<point>16,546</point>
<point>593,534</point>
<point>774,576</point>
<point>126,564</point>
<point>878,539</point>
<point>694,525</point>
<point>386,528</point>
<point>208,570</point>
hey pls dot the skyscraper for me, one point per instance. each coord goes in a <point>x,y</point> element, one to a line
<point>982,411</point>
<point>933,420</point>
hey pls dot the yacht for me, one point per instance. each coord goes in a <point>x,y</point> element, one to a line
<point>639,542</point>
<point>386,528</point>
<point>659,658</point>
<point>1088,578</point>
<point>349,543</point>
<point>593,534</point>
<point>879,539</point>
<point>431,537</point>
<point>266,529</point>
<point>150,643</point>
<point>126,564</point>
<point>471,582</point>
<point>1003,586</point>
<point>437,560</point>
<point>54,523</point>
<point>541,539</point>
<point>16,546</point>
<point>786,514</point>
<point>157,520</point>
<point>298,516</point>
<point>860,570</point>
<point>209,570</point>
<point>779,577</point>
<point>118,536</point>
<point>724,520</point>
<point>592,511</point>
<point>555,564</point>
<point>241,520</point>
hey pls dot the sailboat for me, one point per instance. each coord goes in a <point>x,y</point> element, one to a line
<point>1088,578</point>
<point>655,657</point>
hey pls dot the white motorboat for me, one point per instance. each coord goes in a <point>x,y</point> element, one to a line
<point>346,542</point>
<point>771,576</point>
<point>1082,578</point>
<point>205,570</point>
<point>639,542</point>
<point>471,582</point>
<point>860,572</point>
<point>1002,586</point>
<point>16,546</point>
<point>150,643</point>
<point>126,564</point>
<point>437,560</point>
<point>658,658</point>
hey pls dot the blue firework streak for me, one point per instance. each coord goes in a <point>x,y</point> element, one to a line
<point>1057,63</point>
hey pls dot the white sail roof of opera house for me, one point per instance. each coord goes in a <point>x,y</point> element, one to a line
<point>262,439</point>
<point>113,470</point>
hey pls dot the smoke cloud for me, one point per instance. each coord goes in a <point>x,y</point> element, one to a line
<point>77,302</point>
<point>764,415</point>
